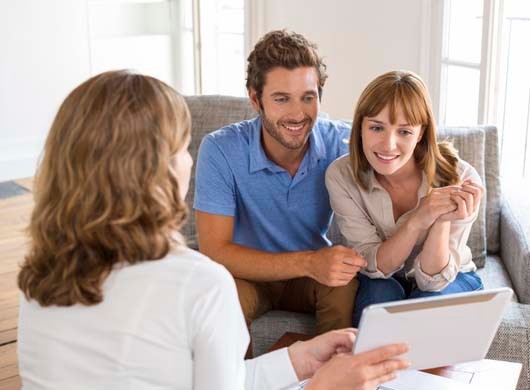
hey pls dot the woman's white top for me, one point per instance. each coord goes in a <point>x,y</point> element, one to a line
<point>366,219</point>
<point>173,323</point>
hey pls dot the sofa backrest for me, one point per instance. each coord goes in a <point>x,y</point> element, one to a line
<point>209,113</point>
<point>476,145</point>
<point>493,188</point>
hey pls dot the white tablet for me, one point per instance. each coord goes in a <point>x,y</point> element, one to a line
<point>440,331</point>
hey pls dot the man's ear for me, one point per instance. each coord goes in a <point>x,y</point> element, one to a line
<point>254,99</point>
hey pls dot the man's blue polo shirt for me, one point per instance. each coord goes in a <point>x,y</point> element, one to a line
<point>272,211</point>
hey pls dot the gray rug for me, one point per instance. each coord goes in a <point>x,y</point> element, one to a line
<point>10,188</point>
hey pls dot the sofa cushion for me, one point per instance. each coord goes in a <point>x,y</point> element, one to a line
<point>512,341</point>
<point>495,275</point>
<point>268,328</point>
<point>470,143</point>
<point>209,113</point>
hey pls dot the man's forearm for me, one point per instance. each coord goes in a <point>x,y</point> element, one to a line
<point>252,264</point>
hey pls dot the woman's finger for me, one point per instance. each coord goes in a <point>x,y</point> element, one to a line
<point>461,212</point>
<point>476,191</point>
<point>469,199</point>
<point>383,379</point>
<point>385,368</point>
<point>445,189</point>
<point>381,354</point>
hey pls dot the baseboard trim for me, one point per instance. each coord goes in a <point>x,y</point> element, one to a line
<point>19,157</point>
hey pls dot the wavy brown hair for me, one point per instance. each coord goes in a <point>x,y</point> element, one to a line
<point>106,191</point>
<point>406,91</point>
<point>282,48</point>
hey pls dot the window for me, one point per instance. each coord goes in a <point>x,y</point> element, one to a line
<point>222,43</point>
<point>484,76</point>
<point>197,46</point>
<point>460,78</point>
<point>513,101</point>
<point>134,35</point>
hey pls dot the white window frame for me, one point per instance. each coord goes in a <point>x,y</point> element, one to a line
<point>253,24</point>
<point>434,13</point>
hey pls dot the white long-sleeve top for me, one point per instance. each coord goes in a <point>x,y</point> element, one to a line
<point>365,219</point>
<point>173,323</point>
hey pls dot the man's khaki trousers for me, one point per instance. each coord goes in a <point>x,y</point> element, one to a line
<point>332,306</point>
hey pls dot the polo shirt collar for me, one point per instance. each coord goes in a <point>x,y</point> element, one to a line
<point>258,158</point>
<point>317,147</point>
<point>260,161</point>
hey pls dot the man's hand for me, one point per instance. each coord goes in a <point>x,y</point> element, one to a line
<point>364,371</point>
<point>334,266</point>
<point>307,357</point>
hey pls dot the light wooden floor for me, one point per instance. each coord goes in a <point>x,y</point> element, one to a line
<point>14,218</point>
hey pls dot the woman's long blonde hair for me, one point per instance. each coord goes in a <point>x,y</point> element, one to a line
<point>406,91</point>
<point>106,191</point>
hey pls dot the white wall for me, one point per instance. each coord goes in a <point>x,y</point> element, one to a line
<point>43,55</point>
<point>48,47</point>
<point>359,40</point>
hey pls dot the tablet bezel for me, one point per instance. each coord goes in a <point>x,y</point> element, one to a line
<point>414,310</point>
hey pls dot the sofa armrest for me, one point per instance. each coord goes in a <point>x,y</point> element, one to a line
<point>512,341</point>
<point>515,240</point>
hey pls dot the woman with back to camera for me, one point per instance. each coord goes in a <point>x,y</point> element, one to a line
<point>112,297</point>
<point>403,200</point>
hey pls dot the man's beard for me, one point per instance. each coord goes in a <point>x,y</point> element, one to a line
<point>275,132</point>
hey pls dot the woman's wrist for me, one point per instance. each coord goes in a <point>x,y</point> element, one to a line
<point>414,225</point>
<point>436,248</point>
<point>440,225</point>
<point>298,360</point>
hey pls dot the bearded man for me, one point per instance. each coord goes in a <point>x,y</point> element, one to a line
<point>262,208</point>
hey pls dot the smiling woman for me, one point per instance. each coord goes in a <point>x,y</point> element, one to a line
<point>403,200</point>
<point>389,143</point>
<point>402,98</point>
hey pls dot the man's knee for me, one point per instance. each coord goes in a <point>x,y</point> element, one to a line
<point>251,299</point>
<point>340,293</point>
<point>334,306</point>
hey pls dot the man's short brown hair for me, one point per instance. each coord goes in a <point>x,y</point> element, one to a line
<point>286,49</point>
